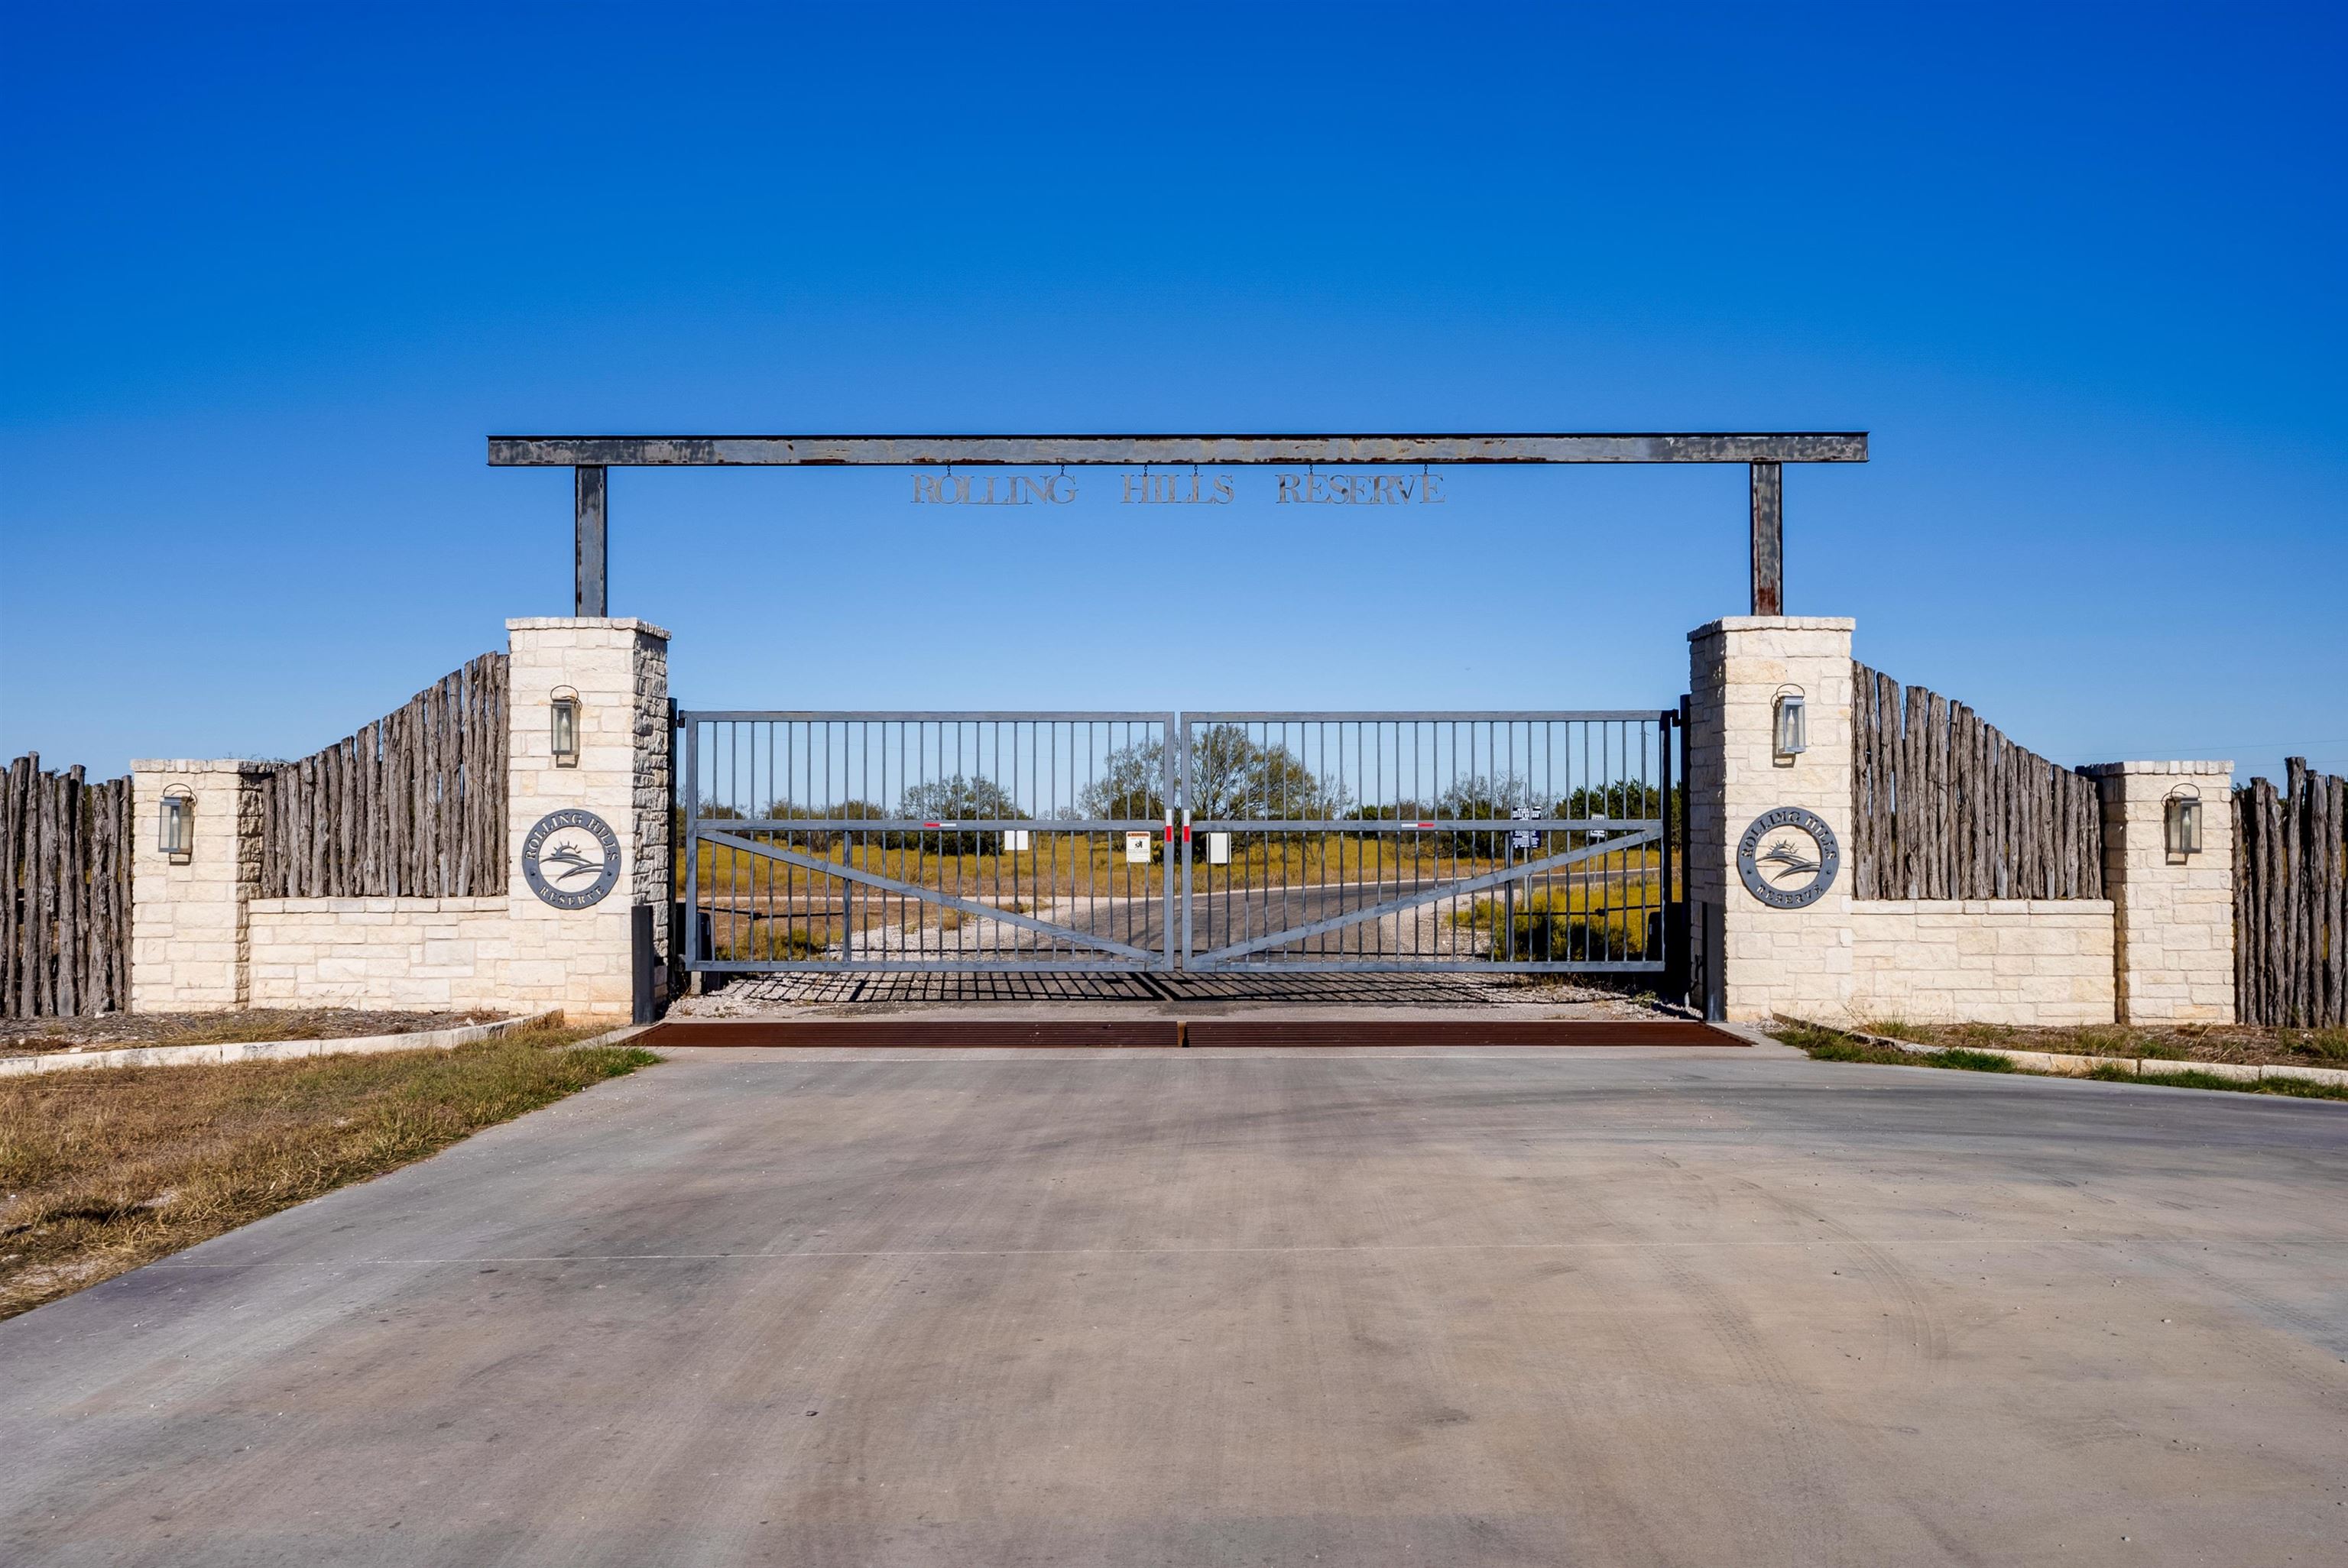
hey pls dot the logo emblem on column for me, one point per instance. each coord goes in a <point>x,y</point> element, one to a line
<point>570,859</point>
<point>1788,857</point>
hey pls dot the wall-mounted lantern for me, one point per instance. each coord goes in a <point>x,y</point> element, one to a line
<point>176,833</point>
<point>2181,814</point>
<point>1790,730</point>
<point>562,727</point>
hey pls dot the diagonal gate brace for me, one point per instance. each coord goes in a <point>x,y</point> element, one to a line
<point>925,895</point>
<point>1210,958</point>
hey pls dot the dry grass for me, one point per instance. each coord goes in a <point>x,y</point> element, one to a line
<point>102,1170</point>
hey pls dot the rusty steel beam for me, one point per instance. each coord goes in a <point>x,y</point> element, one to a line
<point>1768,539</point>
<point>1053,451</point>
<point>591,594</point>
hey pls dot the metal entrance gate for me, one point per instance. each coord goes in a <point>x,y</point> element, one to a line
<point>1220,842</point>
<point>926,841</point>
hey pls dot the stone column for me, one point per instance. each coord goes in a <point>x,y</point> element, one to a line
<point>190,937</point>
<point>579,958</point>
<point>2174,953</point>
<point>1762,957</point>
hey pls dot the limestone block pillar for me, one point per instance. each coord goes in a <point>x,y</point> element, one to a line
<point>190,937</point>
<point>2173,951</point>
<point>572,943</point>
<point>1758,956</point>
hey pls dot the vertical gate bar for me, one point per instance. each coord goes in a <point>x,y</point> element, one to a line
<point>1188,800</point>
<point>957,839</point>
<point>1551,885</point>
<point>1173,797</point>
<point>759,806</point>
<point>1092,771</point>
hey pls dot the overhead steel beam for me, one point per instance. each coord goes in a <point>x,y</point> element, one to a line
<point>1053,451</point>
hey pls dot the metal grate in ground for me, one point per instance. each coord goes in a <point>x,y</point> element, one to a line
<point>1331,990</point>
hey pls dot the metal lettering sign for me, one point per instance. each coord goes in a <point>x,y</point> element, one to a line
<point>1192,489</point>
<point>1180,490</point>
<point>570,859</point>
<point>983,489</point>
<point>1788,857</point>
<point>1361,489</point>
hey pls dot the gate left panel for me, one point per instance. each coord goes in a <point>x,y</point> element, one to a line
<point>912,841</point>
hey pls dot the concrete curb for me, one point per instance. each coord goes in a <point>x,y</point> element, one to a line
<point>1763,1043</point>
<point>2065,1065</point>
<point>268,1049</point>
<point>619,1036</point>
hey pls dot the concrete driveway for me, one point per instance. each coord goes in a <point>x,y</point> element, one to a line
<point>1678,1306</point>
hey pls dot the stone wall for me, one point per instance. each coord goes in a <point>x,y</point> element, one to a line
<point>1978,961</point>
<point>1768,960</point>
<point>655,879</point>
<point>2175,951</point>
<point>2163,938</point>
<point>189,947</point>
<point>200,938</point>
<point>423,955</point>
<point>578,960</point>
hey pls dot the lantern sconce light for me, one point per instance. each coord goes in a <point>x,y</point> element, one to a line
<point>2182,821</point>
<point>1789,727</point>
<point>176,832</point>
<point>563,726</point>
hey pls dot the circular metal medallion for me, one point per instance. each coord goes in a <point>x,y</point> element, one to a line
<point>570,859</point>
<point>1788,857</point>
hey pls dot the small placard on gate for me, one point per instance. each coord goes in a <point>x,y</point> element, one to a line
<point>1523,839</point>
<point>1218,849</point>
<point>1136,848</point>
<point>1014,840</point>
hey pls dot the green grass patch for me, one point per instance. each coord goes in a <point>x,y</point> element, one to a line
<point>2187,1078</point>
<point>1825,1044</point>
<point>1833,1045</point>
<point>2323,1044</point>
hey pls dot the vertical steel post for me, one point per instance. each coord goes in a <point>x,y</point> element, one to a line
<point>642,1006</point>
<point>1768,539</point>
<point>1674,908</point>
<point>591,598</point>
<point>692,784</point>
<point>677,843</point>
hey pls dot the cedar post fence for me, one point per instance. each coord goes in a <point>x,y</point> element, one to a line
<point>64,893</point>
<point>1944,806</point>
<point>2290,899</point>
<point>412,806</point>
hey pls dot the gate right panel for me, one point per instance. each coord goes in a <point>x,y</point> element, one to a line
<point>1529,842</point>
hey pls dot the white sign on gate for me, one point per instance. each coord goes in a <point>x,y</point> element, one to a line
<point>1218,849</point>
<point>1136,848</point>
<point>1014,840</point>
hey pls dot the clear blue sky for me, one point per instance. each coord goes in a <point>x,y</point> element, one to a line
<point>271,273</point>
